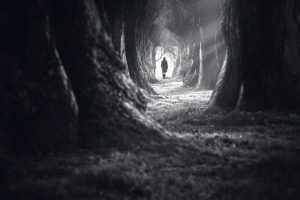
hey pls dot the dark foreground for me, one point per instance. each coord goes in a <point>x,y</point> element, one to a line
<point>220,156</point>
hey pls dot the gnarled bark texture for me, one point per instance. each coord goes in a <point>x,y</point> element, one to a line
<point>134,21</point>
<point>63,85</point>
<point>226,94</point>
<point>111,106</point>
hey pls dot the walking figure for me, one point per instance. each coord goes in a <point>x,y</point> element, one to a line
<point>164,67</point>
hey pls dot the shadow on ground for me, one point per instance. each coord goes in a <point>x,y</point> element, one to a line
<point>228,156</point>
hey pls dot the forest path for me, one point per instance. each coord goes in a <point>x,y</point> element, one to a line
<point>248,156</point>
<point>173,99</point>
<point>241,155</point>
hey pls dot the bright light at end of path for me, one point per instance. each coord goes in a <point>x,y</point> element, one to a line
<point>171,62</point>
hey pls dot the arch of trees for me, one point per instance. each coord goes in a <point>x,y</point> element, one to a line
<point>72,72</point>
<point>172,24</point>
<point>199,55</point>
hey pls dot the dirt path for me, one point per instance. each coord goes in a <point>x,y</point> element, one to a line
<point>243,155</point>
<point>234,156</point>
<point>174,99</point>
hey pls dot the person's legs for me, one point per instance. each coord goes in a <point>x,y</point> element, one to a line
<point>164,75</point>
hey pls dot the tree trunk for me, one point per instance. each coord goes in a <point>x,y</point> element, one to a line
<point>117,31</point>
<point>144,60</point>
<point>38,108</point>
<point>226,94</point>
<point>132,53</point>
<point>40,111</point>
<point>265,58</point>
<point>201,67</point>
<point>131,43</point>
<point>272,53</point>
<point>123,50</point>
<point>111,107</point>
<point>228,87</point>
<point>114,11</point>
<point>153,59</point>
<point>178,65</point>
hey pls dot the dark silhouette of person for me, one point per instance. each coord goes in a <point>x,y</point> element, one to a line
<point>164,67</point>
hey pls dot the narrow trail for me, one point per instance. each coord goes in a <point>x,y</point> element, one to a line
<point>174,99</point>
<point>248,156</point>
<point>243,155</point>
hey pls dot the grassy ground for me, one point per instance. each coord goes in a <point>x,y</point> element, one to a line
<point>228,156</point>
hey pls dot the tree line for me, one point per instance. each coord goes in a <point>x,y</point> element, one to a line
<point>72,72</point>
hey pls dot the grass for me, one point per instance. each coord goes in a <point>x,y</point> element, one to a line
<point>216,157</point>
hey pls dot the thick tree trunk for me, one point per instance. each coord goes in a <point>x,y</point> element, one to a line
<point>271,52</point>
<point>144,60</point>
<point>38,108</point>
<point>40,112</point>
<point>265,59</point>
<point>226,94</point>
<point>131,43</point>
<point>228,87</point>
<point>220,51</point>
<point>117,31</point>
<point>131,52</point>
<point>114,11</point>
<point>107,101</point>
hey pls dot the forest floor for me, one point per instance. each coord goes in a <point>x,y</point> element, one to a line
<point>215,156</point>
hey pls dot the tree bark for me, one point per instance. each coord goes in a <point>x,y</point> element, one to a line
<point>153,59</point>
<point>131,51</point>
<point>228,87</point>
<point>111,107</point>
<point>226,95</point>
<point>38,107</point>
<point>144,60</point>
<point>271,52</point>
<point>178,65</point>
<point>62,84</point>
<point>264,58</point>
<point>115,13</point>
